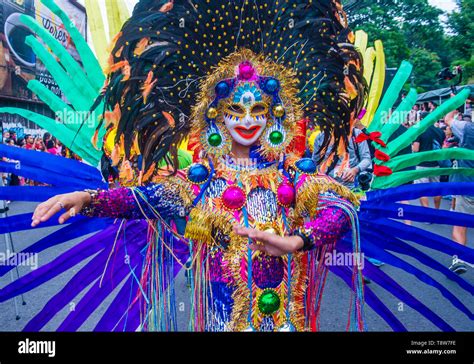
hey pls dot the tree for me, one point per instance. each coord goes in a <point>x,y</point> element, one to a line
<point>426,65</point>
<point>410,30</point>
<point>461,25</point>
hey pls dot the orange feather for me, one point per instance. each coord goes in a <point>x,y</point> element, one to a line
<point>350,89</point>
<point>167,7</point>
<point>141,46</point>
<point>169,118</point>
<point>148,86</point>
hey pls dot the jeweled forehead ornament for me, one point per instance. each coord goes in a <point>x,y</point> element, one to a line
<point>246,73</point>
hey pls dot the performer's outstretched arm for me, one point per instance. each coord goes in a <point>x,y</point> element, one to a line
<point>330,224</point>
<point>323,209</point>
<point>167,200</point>
<point>151,201</point>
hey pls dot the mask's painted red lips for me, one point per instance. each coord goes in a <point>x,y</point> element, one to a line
<point>247,133</point>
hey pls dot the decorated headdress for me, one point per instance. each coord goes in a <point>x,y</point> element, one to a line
<point>175,63</point>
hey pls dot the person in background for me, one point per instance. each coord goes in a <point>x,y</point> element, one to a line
<point>59,146</point>
<point>51,147</point>
<point>468,107</point>
<point>458,115</point>
<point>358,125</point>
<point>13,136</point>
<point>451,140</point>
<point>432,106</point>
<point>21,142</point>
<point>414,115</point>
<point>464,130</point>
<point>39,145</point>
<point>423,114</point>
<point>432,138</point>
<point>30,142</point>
<point>46,137</point>
<point>6,136</point>
<point>360,160</point>
<point>11,179</point>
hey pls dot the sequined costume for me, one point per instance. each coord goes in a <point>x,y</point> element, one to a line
<point>241,289</point>
<point>207,75</point>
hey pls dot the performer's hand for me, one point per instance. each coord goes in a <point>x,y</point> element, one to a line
<point>71,202</point>
<point>270,243</point>
<point>350,174</point>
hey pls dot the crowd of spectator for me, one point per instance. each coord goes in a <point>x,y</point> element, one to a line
<point>45,143</point>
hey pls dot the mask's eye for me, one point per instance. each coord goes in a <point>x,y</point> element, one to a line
<point>259,109</point>
<point>235,109</point>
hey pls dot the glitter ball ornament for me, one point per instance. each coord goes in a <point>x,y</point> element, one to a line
<point>306,165</point>
<point>276,137</point>
<point>268,302</point>
<point>198,173</point>
<point>234,198</point>
<point>272,86</point>
<point>222,89</point>
<point>246,71</point>
<point>279,111</point>
<point>212,113</point>
<point>215,140</point>
<point>286,194</point>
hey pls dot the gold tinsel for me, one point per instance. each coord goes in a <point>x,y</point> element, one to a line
<point>307,198</point>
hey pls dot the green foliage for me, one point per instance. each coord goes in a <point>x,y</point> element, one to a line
<point>426,64</point>
<point>461,25</point>
<point>413,30</point>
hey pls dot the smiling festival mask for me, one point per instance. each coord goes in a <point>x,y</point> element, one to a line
<point>243,101</point>
<point>245,116</point>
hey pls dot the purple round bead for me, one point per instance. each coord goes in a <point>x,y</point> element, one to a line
<point>286,194</point>
<point>234,198</point>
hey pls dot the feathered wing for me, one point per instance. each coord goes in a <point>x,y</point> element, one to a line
<point>382,236</point>
<point>382,230</point>
<point>77,128</point>
<point>382,120</point>
<point>73,125</point>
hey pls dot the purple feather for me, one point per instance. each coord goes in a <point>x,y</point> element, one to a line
<point>65,261</point>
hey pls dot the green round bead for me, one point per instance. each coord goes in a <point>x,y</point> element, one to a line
<point>268,302</point>
<point>276,137</point>
<point>215,139</point>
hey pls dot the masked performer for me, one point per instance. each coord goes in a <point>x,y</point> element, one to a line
<point>258,218</point>
<point>252,221</point>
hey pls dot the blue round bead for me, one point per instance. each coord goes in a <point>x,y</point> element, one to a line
<point>198,173</point>
<point>306,165</point>
<point>272,85</point>
<point>222,89</point>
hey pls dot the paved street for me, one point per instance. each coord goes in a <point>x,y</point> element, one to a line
<point>335,305</point>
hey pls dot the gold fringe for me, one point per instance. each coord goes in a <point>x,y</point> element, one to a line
<point>204,222</point>
<point>307,199</point>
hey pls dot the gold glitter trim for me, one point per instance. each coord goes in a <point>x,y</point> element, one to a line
<point>180,184</point>
<point>307,197</point>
